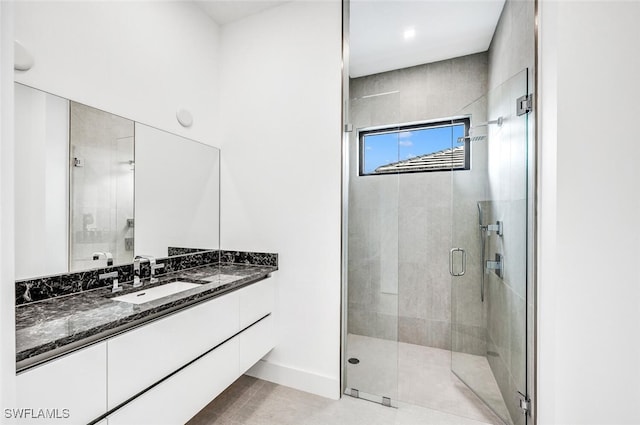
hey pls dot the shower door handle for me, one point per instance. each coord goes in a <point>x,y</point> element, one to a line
<point>464,262</point>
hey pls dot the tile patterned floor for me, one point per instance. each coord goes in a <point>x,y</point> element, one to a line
<point>419,377</point>
<point>251,401</point>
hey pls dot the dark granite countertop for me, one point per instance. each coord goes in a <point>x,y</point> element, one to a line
<point>50,328</point>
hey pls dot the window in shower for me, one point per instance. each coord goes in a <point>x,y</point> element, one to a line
<point>441,145</point>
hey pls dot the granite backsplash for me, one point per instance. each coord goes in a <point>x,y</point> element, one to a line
<point>43,288</point>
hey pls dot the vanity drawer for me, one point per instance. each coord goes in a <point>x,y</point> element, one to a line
<point>256,342</point>
<point>141,357</point>
<point>181,396</point>
<point>73,387</point>
<point>256,301</point>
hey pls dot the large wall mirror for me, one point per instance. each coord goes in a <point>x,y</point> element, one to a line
<point>94,188</point>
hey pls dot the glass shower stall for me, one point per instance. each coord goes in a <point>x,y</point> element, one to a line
<point>436,252</point>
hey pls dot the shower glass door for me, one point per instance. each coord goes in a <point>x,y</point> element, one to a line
<point>371,354</point>
<point>488,260</point>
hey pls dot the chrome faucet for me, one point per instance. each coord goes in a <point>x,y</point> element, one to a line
<point>136,270</point>
<point>152,265</point>
<point>107,255</point>
<point>114,275</point>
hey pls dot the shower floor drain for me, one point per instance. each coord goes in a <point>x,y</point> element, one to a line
<point>353,360</point>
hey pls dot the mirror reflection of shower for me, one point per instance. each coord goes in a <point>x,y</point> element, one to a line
<point>101,188</point>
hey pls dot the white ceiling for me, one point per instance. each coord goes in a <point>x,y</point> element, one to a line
<point>226,11</point>
<point>444,29</point>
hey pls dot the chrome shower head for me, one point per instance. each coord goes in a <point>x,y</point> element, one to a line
<point>471,139</point>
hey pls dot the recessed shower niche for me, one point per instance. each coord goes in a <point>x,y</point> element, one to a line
<point>94,188</point>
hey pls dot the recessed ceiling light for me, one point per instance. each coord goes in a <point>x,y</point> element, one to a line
<point>409,33</point>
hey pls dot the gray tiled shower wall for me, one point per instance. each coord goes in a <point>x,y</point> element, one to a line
<point>511,51</point>
<point>400,225</point>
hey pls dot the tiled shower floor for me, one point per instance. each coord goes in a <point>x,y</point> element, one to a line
<point>421,376</point>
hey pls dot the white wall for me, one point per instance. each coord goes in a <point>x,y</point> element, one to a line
<point>141,60</point>
<point>7,289</point>
<point>281,148</point>
<point>589,283</point>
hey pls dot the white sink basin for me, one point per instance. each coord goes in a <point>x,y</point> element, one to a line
<point>146,295</point>
<point>221,279</point>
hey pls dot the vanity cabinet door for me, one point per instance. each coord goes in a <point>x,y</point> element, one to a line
<point>256,301</point>
<point>180,397</point>
<point>141,357</point>
<point>70,390</point>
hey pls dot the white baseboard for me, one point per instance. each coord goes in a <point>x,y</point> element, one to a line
<point>302,380</point>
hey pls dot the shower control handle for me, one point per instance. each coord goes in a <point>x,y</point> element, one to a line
<point>464,262</point>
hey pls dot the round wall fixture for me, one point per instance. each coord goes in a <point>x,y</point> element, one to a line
<point>22,59</point>
<point>184,117</point>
